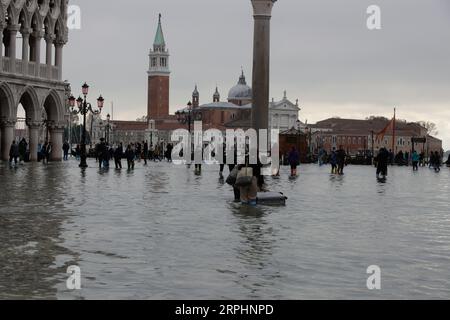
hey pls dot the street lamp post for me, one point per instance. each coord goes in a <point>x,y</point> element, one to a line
<point>108,126</point>
<point>189,116</point>
<point>84,108</point>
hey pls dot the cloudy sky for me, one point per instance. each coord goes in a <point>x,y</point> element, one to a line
<point>322,53</point>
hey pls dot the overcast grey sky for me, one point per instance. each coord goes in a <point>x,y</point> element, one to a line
<point>322,53</point>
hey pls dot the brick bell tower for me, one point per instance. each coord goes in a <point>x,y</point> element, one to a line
<point>158,78</point>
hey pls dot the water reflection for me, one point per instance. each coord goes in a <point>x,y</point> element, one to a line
<point>162,231</point>
<point>31,222</point>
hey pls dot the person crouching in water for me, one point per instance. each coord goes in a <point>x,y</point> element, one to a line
<point>294,160</point>
<point>130,155</point>
<point>382,163</point>
<point>249,192</point>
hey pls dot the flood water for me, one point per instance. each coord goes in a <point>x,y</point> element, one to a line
<point>161,232</point>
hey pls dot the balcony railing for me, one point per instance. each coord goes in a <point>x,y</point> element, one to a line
<point>30,69</point>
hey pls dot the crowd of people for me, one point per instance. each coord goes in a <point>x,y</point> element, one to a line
<point>19,152</point>
<point>132,153</point>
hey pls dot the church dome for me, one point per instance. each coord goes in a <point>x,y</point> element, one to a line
<point>241,91</point>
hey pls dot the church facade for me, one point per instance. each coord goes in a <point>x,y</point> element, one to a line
<point>234,112</point>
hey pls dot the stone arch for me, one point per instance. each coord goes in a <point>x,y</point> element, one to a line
<point>36,22</point>
<point>24,19</point>
<point>30,102</point>
<point>53,107</point>
<point>6,101</point>
<point>60,29</point>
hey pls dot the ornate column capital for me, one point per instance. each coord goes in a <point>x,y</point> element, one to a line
<point>262,8</point>
<point>38,34</point>
<point>60,41</point>
<point>7,123</point>
<point>34,124</point>
<point>49,37</point>
<point>26,31</point>
<point>56,126</point>
<point>14,27</point>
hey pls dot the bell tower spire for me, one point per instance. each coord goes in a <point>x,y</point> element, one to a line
<point>158,77</point>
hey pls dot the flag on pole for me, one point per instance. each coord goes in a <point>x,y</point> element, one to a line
<point>390,126</point>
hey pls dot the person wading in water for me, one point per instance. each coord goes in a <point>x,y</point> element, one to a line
<point>382,163</point>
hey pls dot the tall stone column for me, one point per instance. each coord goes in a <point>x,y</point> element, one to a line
<point>56,138</point>
<point>59,57</point>
<point>33,128</point>
<point>48,55</point>
<point>25,50</point>
<point>1,46</point>
<point>7,137</point>
<point>262,13</point>
<point>13,29</point>
<point>38,35</point>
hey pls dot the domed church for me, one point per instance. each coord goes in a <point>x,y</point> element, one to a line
<point>236,111</point>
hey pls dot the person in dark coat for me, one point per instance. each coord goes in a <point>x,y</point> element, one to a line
<point>341,155</point>
<point>13,153</point>
<point>333,161</point>
<point>145,153</point>
<point>130,155</point>
<point>23,145</point>
<point>102,152</point>
<point>294,160</point>
<point>382,163</point>
<point>66,148</point>
<point>47,150</point>
<point>118,154</point>
<point>437,161</point>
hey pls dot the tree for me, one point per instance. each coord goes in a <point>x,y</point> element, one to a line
<point>430,126</point>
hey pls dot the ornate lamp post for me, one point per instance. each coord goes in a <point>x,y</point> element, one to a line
<point>108,127</point>
<point>188,115</point>
<point>84,108</point>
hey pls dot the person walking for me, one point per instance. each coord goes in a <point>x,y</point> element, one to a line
<point>169,152</point>
<point>23,145</point>
<point>102,153</point>
<point>66,148</point>
<point>130,156</point>
<point>294,160</point>
<point>437,161</point>
<point>78,152</point>
<point>13,153</point>
<point>46,150</point>
<point>118,154</point>
<point>341,155</point>
<point>145,154</point>
<point>415,157</point>
<point>382,163</point>
<point>333,161</point>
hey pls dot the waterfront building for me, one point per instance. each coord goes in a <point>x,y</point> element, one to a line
<point>359,137</point>
<point>33,79</point>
